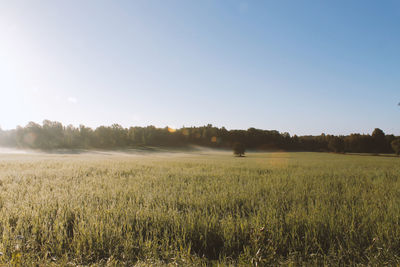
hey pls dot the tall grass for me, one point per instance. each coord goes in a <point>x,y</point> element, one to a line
<point>265,209</point>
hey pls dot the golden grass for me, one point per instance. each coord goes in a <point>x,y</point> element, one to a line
<point>199,209</point>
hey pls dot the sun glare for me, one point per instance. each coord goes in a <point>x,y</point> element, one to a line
<point>171,130</point>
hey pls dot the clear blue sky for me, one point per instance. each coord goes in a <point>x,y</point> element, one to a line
<point>304,67</point>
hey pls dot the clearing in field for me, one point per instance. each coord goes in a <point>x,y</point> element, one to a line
<point>199,208</point>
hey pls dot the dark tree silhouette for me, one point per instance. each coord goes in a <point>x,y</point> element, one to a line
<point>378,140</point>
<point>336,144</point>
<point>53,135</point>
<point>396,146</point>
<point>238,149</point>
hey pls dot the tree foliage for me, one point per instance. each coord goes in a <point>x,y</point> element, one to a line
<point>336,144</point>
<point>239,149</point>
<point>396,146</point>
<point>54,135</point>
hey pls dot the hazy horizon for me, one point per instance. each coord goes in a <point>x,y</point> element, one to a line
<point>305,67</point>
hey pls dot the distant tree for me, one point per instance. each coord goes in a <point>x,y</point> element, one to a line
<point>336,144</point>
<point>30,136</point>
<point>85,137</point>
<point>380,145</point>
<point>52,135</point>
<point>396,146</point>
<point>71,135</point>
<point>238,149</point>
<point>389,139</point>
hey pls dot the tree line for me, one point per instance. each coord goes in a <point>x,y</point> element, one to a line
<point>53,135</point>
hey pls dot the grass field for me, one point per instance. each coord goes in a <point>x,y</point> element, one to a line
<point>199,209</point>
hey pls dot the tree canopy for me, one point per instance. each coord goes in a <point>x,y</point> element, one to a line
<point>396,146</point>
<point>54,135</point>
<point>238,149</point>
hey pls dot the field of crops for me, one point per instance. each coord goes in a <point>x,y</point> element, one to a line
<point>199,209</point>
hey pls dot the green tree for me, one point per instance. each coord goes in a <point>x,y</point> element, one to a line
<point>379,141</point>
<point>239,149</point>
<point>396,146</point>
<point>336,144</point>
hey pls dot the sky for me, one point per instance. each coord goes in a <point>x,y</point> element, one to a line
<point>303,67</point>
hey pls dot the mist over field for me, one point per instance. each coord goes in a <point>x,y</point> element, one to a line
<point>7,150</point>
<point>143,151</point>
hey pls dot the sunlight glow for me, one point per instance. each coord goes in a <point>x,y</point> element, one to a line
<point>171,130</point>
